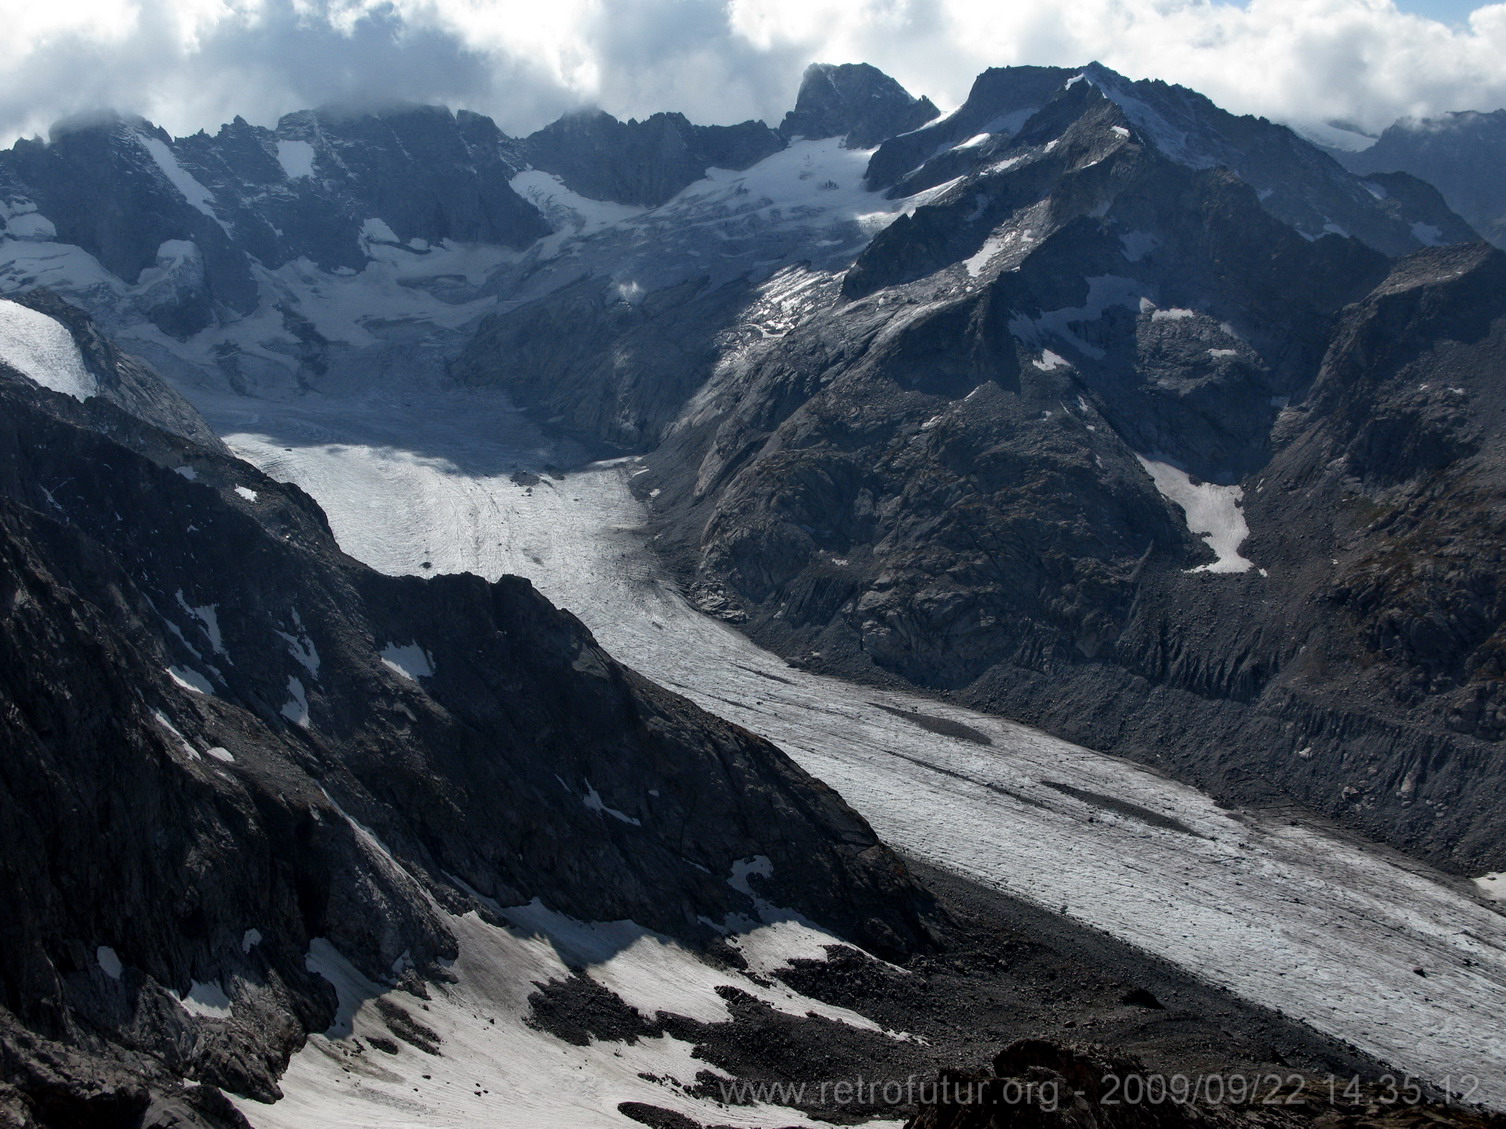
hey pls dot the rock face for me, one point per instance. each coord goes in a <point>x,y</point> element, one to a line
<point>1462,154</point>
<point>854,101</point>
<point>643,162</point>
<point>224,739</point>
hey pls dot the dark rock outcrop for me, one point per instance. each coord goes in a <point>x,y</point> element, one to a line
<point>856,102</point>
<point>643,162</point>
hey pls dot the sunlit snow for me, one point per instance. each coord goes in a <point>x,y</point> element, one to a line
<point>1212,511</point>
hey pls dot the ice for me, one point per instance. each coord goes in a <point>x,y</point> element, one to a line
<point>1277,912</point>
<point>744,869</point>
<point>296,158</point>
<point>180,178</point>
<point>1212,513</point>
<point>190,680</point>
<point>41,349</point>
<point>247,493</point>
<point>207,1001</point>
<point>409,660</point>
<point>1428,235</point>
<point>296,708</point>
<point>109,963</point>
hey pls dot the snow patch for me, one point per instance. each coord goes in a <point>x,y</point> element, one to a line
<point>296,708</point>
<point>1174,314</point>
<point>209,619</point>
<point>1212,513</point>
<point>301,647</point>
<point>250,939</point>
<point>207,1001</point>
<point>408,660</point>
<point>41,349</point>
<point>991,247</point>
<point>188,749</point>
<point>1493,886</point>
<point>296,158</point>
<point>376,232</point>
<point>190,680</point>
<point>743,869</point>
<point>247,493</point>
<point>187,472</point>
<point>1104,290</point>
<point>109,962</point>
<point>180,178</point>
<point>1428,235</point>
<point>220,753</point>
<point>488,1052</point>
<point>1050,362</point>
<point>593,802</point>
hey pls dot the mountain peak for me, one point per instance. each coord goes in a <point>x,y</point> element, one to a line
<point>856,101</point>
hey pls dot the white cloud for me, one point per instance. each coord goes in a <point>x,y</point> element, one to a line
<point>191,64</point>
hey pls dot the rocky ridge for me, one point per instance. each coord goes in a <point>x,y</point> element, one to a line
<point>226,740</point>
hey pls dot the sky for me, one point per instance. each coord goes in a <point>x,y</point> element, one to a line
<point>193,64</point>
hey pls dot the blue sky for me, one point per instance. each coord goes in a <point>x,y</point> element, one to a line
<point>1446,11</point>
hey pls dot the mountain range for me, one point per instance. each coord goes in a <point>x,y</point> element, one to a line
<point>1087,405</point>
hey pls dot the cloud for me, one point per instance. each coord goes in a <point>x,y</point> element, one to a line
<point>191,64</point>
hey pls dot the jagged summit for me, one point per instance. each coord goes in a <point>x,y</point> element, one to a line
<point>1296,181</point>
<point>856,101</point>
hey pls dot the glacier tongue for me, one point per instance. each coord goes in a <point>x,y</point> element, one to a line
<point>1281,913</point>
